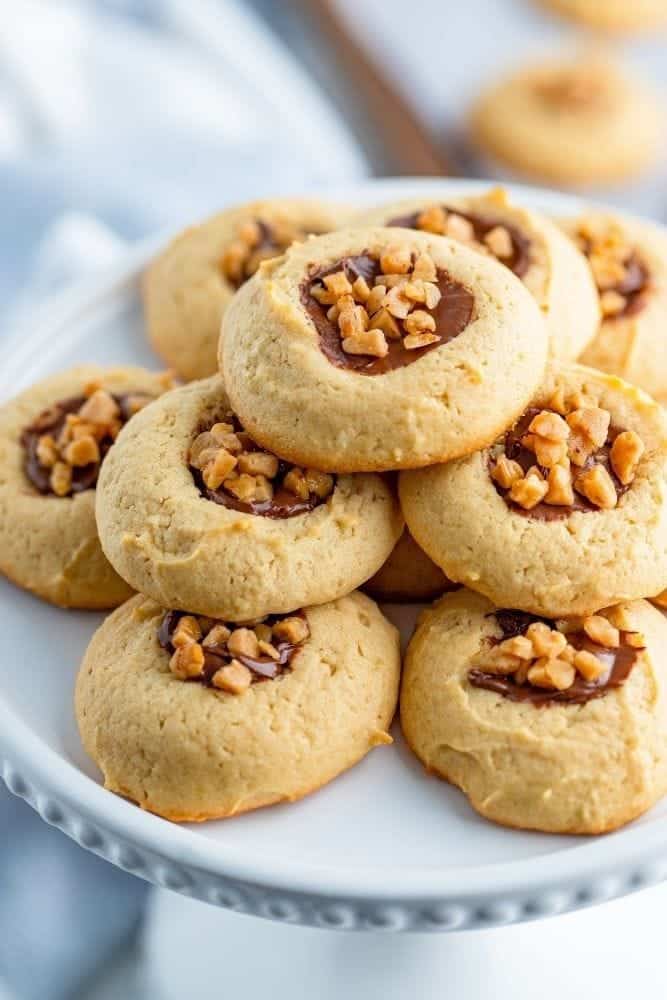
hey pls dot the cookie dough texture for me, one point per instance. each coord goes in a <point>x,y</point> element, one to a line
<point>634,346</point>
<point>407,575</point>
<point>48,544</point>
<point>186,292</point>
<point>558,277</point>
<point>605,128</point>
<point>189,752</point>
<point>453,399</point>
<point>558,768</point>
<point>185,551</point>
<point>571,566</point>
<point>612,15</point>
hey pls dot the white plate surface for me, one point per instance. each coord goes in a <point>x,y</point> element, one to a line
<point>382,846</point>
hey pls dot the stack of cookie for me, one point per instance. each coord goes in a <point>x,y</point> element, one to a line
<point>416,365</point>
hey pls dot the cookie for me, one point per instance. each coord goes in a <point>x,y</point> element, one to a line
<point>377,349</point>
<point>53,439</point>
<point>566,513</point>
<point>527,243</point>
<point>612,15</point>
<point>408,575</point>
<point>627,259</point>
<point>193,514</point>
<point>189,285</point>
<point>576,122</point>
<point>180,718</point>
<point>564,732</point>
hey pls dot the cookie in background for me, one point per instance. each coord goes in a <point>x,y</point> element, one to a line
<point>614,16</point>
<point>582,121</point>
<point>189,284</point>
<point>628,260</point>
<point>527,243</point>
<point>408,575</point>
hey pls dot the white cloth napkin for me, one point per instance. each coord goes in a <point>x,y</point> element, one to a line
<point>118,118</point>
<point>147,114</point>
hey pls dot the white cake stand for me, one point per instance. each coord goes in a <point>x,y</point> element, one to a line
<point>383,848</point>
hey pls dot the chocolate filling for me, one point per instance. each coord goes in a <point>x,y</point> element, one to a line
<point>619,663</point>
<point>282,504</point>
<point>634,287</point>
<point>215,657</point>
<point>521,257</point>
<point>516,451</point>
<point>452,314</point>
<point>51,421</point>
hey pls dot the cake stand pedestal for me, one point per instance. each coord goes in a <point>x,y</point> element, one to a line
<point>195,950</point>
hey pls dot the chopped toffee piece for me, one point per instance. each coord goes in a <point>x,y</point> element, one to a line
<point>542,661</point>
<point>65,446</point>
<point>486,233</point>
<point>256,241</point>
<point>373,315</point>
<point>229,656</point>
<point>230,469</point>
<point>622,278</point>
<point>564,457</point>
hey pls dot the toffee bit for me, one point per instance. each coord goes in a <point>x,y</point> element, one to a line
<point>65,445</point>
<point>228,464</point>
<point>257,240</point>
<point>548,659</point>
<point>399,307</point>
<point>580,462</point>
<point>227,656</point>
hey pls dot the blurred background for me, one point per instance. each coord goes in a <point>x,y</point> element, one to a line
<point>120,118</point>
